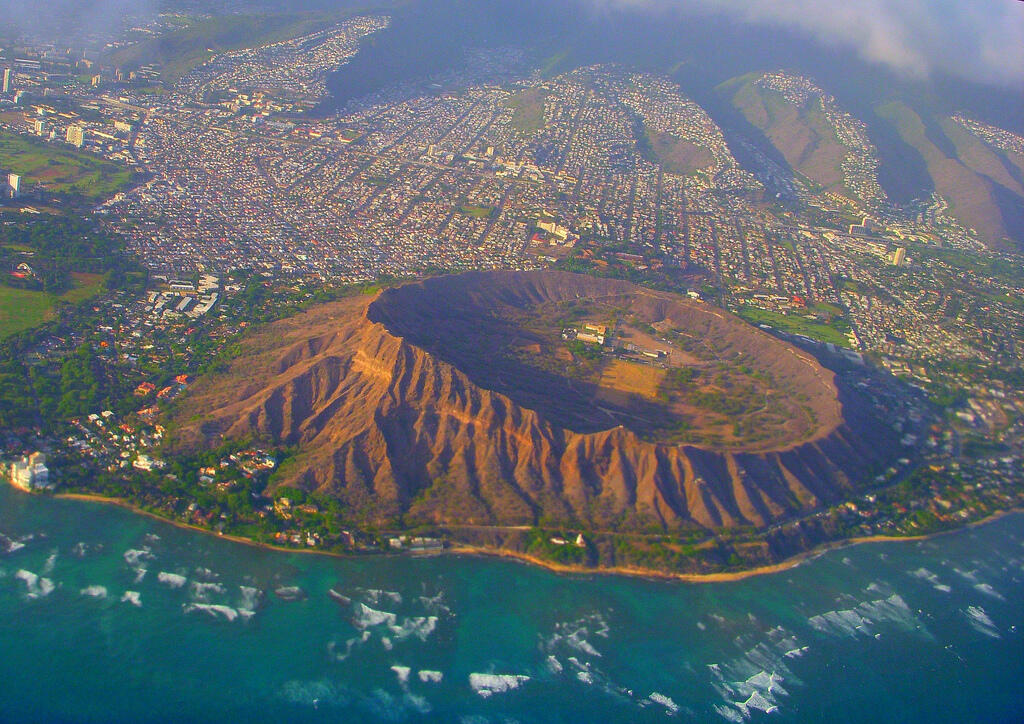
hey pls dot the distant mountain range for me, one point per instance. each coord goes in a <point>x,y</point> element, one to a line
<point>973,166</point>
<point>908,121</point>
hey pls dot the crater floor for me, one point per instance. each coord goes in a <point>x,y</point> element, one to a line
<point>604,354</point>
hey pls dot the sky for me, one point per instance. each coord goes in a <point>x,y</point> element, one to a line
<point>79,18</point>
<point>979,40</point>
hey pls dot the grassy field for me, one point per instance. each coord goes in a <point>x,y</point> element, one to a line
<point>528,110</point>
<point>638,379</point>
<point>477,212</point>
<point>86,285</point>
<point>795,324</point>
<point>22,309</point>
<point>61,170</point>
<point>676,155</point>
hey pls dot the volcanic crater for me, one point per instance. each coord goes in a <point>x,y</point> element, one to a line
<point>509,398</point>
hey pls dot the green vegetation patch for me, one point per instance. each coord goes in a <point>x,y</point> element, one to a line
<point>556,63</point>
<point>477,212</point>
<point>85,287</point>
<point>583,350</point>
<point>22,309</point>
<point>674,154</point>
<point>680,378</point>
<point>542,544</point>
<point>61,170</point>
<point>528,110</point>
<point>796,324</point>
<point>71,260</point>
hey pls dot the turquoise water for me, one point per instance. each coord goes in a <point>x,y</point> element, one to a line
<point>908,632</point>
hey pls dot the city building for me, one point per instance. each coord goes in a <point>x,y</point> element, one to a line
<point>147,463</point>
<point>559,232</point>
<point>13,185</point>
<point>30,472</point>
<point>590,337</point>
<point>7,80</point>
<point>75,136</point>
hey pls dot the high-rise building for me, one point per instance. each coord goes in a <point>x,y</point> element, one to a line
<point>13,185</point>
<point>39,127</point>
<point>30,473</point>
<point>75,136</point>
<point>7,80</point>
<point>899,256</point>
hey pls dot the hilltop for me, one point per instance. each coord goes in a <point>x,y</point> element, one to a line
<point>963,161</point>
<point>180,51</point>
<point>980,180</point>
<point>800,131</point>
<point>458,401</point>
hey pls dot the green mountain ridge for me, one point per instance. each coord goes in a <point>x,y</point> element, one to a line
<point>972,176</point>
<point>983,184</point>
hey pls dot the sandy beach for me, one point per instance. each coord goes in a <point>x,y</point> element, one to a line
<point>465,550</point>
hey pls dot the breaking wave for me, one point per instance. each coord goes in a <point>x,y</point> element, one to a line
<point>202,591</point>
<point>214,610</point>
<point>38,587</point>
<point>861,619</point>
<point>402,672</point>
<point>981,621</point>
<point>487,685</point>
<point>289,593</point>
<point>173,580</point>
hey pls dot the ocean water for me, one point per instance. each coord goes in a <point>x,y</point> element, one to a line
<point>106,616</point>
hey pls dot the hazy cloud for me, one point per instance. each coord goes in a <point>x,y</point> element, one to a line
<point>981,40</point>
<point>72,19</point>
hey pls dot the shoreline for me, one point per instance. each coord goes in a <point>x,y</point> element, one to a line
<point>558,568</point>
<point>722,576</point>
<point>130,506</point>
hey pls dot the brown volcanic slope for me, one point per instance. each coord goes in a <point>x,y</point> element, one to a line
<point>394,414</point>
